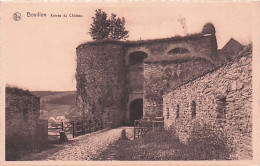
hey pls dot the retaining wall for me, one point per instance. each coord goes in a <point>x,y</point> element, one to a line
<point>223,100</point>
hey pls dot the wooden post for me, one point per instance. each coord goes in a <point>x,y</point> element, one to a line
<point>134,132</point>
<point>62,127</point>
<point>73,130</point>
<point>89,128</point>
<point>33,142</point>
<point>82,128</point>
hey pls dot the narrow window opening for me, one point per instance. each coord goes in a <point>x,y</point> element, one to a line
<point>137,57</point>
<point>193,109</point>
<point>221,107</point>
<point>178,111</point>
<point>167,113</point>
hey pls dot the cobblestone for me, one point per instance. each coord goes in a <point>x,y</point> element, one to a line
<point>87,147</point>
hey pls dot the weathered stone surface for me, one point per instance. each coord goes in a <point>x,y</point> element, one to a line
<point>230,85</point>
<point>159,78</point>
<point>109,80</point>
<point>22,110</point>
<point>101,83</point>
<point>63,137</point>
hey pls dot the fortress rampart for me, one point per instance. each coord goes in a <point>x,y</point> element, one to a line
<point>101,82</point>
<point>119,82</point>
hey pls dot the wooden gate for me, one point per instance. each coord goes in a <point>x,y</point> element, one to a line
<point>142,126</point>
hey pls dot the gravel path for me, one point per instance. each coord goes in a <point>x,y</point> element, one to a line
<point>87,147</point>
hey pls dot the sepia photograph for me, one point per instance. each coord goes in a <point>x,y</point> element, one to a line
<point>160,82</point>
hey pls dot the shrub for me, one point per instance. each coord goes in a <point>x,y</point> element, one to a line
<point>205,143</point>
<point>247,49</point>
<point>159,137</point>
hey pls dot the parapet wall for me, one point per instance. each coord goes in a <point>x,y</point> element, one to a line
<point>221,99</point>
<point>101,83</point>
<point>197,43</point>
<point>22,111</point>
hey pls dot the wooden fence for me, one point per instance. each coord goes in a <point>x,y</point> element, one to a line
<point>72,128</point>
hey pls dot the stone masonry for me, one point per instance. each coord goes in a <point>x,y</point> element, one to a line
<point>160,77</point>
<point>101,80</point>
<point>22,112</point>
<point>116,78</point>
<point>222,99</point>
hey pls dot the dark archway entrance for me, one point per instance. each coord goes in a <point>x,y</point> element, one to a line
<point>137,57</point>
<point>136,110</point>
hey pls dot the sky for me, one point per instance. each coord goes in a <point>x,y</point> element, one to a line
<point>39,53</point>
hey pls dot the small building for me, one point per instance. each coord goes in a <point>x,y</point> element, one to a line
<point>230,50</point>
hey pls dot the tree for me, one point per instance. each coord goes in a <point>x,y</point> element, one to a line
<point>117,28</point>
<point>104,28</point>
<point>99,29</point>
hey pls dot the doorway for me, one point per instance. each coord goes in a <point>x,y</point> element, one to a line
<point>136,110</point>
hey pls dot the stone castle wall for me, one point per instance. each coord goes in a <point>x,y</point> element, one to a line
<point>135,81</point>
<point>201,88</point>
<point>221,99</point>
<point>135,78</point>
<point>196,43</point>
<point>166,71</point>
<point>160,78</point>
<point>109,81</point>
<point>101,83</point>
<point>22,112</point>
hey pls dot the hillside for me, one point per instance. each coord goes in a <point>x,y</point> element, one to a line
<point>57,105</point>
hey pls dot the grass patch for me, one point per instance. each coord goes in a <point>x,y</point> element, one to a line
<point>204,144</point>
<point>153,146</point>
<point>207,143</point>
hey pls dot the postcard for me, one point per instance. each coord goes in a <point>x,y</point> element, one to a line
<point>129,83</point>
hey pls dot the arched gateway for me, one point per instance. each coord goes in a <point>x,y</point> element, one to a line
<point>136,110</point>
